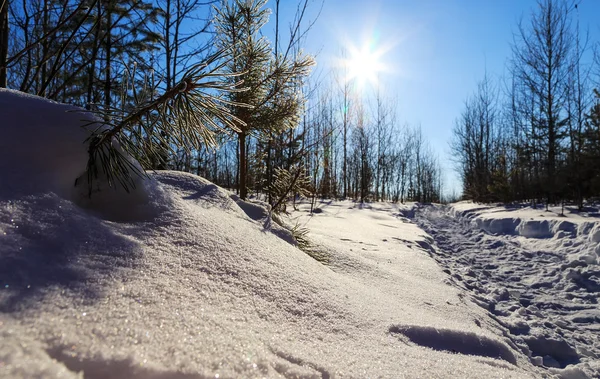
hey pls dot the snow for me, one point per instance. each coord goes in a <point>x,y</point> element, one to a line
<point>536,272</point>
<point>529,222</point>
<point>181,279</point>
<point>50,155</point>
<point>44,150</point>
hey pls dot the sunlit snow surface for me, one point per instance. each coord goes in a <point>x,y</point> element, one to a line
<point>187,283</point>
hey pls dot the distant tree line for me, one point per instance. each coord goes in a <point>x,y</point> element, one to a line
<point>263,126</point>
<point>535,136</point>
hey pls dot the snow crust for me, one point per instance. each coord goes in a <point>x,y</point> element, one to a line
<point>182,280</point>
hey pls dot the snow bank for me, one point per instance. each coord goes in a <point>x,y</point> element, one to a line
<point>528,222</point>
<point>498,225</point>
<point>381,248</point>
<point>194,286</point>
<point>202,291</point>
<point>576,235</point>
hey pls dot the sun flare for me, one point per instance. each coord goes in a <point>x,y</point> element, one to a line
<point>363,65</point>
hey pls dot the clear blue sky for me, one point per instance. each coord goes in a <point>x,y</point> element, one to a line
<point>440,50</point>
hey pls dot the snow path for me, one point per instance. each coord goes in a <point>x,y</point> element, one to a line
<point>548,306</point>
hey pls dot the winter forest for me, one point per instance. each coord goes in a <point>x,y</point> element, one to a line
<point>257,120</point>
<point>198,86</point>
<point>535,134</point>
<point>192,189</point>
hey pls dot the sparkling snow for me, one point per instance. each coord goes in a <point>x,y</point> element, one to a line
<point>181,280</point>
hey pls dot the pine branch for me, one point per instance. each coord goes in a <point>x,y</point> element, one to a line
<point>284,184</point>
<point>190,113</point>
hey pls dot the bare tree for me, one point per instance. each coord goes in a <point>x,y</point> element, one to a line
<point>474,141</point>
<point>345,105</point>
<point>579,100</point>
<point>541,60</point>
<point>4,4</point>
<point>383,135</point>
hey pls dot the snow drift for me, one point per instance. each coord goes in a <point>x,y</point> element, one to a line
<point>189,284</point>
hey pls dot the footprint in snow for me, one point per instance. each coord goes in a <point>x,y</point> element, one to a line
<point>454,341</point>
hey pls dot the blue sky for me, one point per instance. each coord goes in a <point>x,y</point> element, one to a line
<point>439,50</point>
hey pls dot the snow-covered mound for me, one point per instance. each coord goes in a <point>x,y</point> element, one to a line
<point>42,144</point>
<point>194,286</point>
<point>44,150</point>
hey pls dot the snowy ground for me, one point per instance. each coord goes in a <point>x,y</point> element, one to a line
<point>180,279</point>
<point>535,272</point>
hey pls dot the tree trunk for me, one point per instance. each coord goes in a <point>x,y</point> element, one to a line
<point>3,42</point>
<point>167,38</point>
<point>45,48</point>
<point>92,66</point>
<point>108,51</point>
<point>345,162</point>
<point>243,170</point>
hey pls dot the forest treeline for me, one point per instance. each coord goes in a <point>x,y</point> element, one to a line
<point>253,119</point>
<point>534,135</point>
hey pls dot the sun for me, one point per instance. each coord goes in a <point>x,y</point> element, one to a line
<point>363,65</point>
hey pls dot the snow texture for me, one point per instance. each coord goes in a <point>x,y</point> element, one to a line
<point>537,276</point>
<point>181,279</point>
